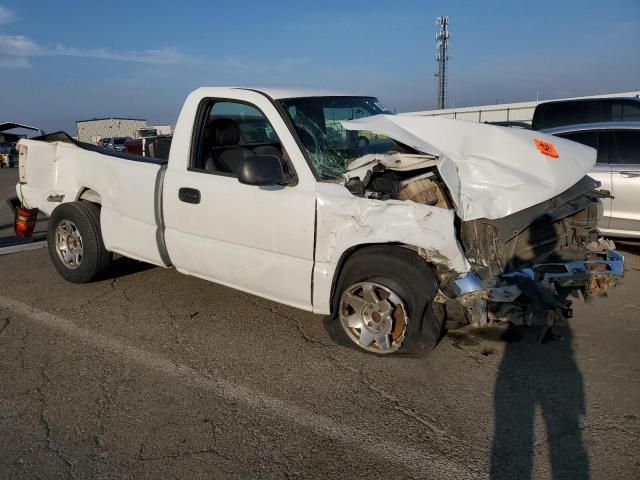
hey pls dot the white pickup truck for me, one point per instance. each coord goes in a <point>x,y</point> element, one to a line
<point>392,225</point>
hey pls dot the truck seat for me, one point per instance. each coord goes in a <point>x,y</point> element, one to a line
<point>268,150</point>
<point>222,143</point>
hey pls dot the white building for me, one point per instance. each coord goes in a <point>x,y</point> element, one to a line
<point>505,112</point>
<point>96,128</point>
<point>164,129</point>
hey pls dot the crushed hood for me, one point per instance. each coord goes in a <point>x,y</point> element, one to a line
<point>491,171</point>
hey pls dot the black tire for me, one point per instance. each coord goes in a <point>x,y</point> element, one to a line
<point>408,275</point>
<point>95,258</point>
<point>363,142</point>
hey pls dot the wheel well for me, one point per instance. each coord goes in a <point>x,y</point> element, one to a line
<point>90,195</point>
<point>358,248</point>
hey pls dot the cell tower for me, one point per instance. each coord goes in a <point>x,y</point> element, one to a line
<point>442,44</point>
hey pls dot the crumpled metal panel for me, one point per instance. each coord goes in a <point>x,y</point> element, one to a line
<point>345,221</point>
<point>394,161</point>
<point>491,171</point>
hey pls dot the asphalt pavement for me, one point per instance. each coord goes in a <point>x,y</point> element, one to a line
<point>152,374</point>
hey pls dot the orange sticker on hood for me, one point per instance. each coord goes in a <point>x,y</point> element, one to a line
<point>546,148</point>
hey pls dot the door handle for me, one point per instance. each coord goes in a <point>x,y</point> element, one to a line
<point>629,173</point>
<point>189,195</point>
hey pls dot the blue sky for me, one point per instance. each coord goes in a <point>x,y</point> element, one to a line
<point>61,61</point>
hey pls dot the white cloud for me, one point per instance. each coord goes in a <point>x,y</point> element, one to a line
<point>6,15</point>
<point>17,49</point>
<point>21,46</point>
<point>162,56</point>
<point>14,62</point>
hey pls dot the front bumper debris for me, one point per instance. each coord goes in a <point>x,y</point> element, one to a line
<point>538,286</point>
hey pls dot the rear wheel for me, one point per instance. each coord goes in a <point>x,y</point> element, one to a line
<point>363,142</point>
<point>75,242</point>
<point>384,303</point>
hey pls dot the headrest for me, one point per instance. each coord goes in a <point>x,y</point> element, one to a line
<point>222,132</point>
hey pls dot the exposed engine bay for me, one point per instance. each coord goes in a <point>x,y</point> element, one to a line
<point>383,183</point>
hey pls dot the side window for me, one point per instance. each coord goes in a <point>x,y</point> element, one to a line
<point>589,139</point>
<point>627,147</point>
<point>336,135</point>
<point>229,131</point>
<point>626,112</point>
<point>605,146</point>
<point>569,113</point>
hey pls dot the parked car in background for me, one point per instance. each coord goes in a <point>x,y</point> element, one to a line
<point>117,143</point>
<point>617,168</point>
<point>587,110</point>
<point>8,140</point>
<point>154,147</point>
<point>8,155</point>
<point>103,142</point>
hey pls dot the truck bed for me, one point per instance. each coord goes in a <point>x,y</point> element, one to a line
<point>55,168</point>
<point>66,138</point>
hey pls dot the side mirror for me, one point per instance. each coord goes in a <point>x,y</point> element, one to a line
<point>262,170</point>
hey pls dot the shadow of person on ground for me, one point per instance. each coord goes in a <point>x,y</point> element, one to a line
<point>545,378</point>
<point>535,377</point>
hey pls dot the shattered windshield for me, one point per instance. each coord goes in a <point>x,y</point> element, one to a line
<point>329,146</point>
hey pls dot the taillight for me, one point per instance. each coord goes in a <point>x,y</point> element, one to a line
<point>25,221</point>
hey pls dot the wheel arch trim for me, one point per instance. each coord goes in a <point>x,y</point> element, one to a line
<point>325,289</point>
<point>89,194</point>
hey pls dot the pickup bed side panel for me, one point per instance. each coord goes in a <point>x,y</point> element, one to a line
<point>57,172</point>
<point>345,221</point>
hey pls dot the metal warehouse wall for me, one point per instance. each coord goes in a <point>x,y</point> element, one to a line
<point>93,130</point>
<point>513,112</point>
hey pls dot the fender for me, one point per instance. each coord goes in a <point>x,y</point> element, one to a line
<point>345,222</point>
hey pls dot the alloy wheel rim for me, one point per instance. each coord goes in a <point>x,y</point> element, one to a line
<point>374,317</point>
<point>69,244</point>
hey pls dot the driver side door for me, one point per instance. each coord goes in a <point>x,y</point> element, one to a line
<point>256,239</point>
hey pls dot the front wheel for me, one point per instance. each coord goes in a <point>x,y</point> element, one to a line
<point>75,242</point>
<point>384,303</point>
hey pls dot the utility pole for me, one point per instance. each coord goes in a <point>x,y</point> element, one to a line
<point>442,44</point>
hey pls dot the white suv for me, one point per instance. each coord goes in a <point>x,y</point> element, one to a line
<point>617,168</point>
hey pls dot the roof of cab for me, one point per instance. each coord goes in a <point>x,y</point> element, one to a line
<point>278,93</point>
<point>579,127</point>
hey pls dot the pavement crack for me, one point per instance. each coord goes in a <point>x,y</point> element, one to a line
<point>103,405</point>
<point>478,357</point>
<point>556,436</point>
<point>189,453</point>
<point>407,411</point>
<point>46,426</point>
<point>114,286</point>
<point>6,321</point>
<point>142,445</point>
<point>178,336</point>
<point>306,337</point>
<point>297,323</point>
<point>23,349</point>
<point>397,405</point>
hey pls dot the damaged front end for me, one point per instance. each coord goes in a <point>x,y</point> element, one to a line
<point>525,222</point>
<point>527,265</point>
